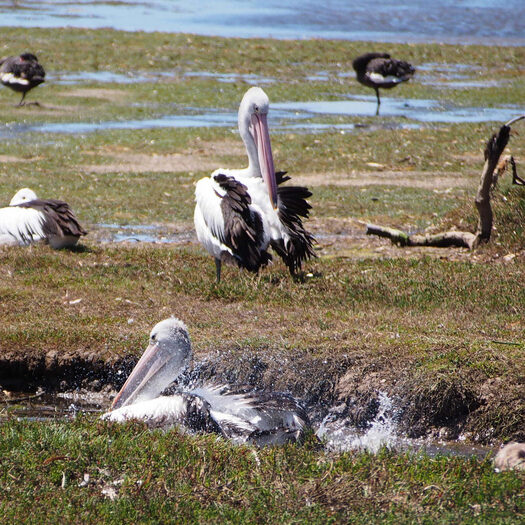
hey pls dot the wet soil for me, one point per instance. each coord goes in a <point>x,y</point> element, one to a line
<point>348,388</point>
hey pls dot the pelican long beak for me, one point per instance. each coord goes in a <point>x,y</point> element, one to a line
<point>139,382</point>
<point>261,135</point>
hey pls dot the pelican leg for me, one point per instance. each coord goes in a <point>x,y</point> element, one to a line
<point>218,269</point>
<point>21,103</point>
<point>378,101</point>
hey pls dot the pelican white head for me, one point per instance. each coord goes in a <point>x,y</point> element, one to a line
<point>253,127</point>
<point>23,195</point>
<point>168,352</point>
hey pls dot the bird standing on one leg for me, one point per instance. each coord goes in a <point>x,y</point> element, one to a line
<point>378,70</point>
<point>21,74</point>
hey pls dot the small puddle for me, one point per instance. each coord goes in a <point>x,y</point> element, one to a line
<point>142,233</point>
<point>134,77</point>
<point>337,436</point>
<point>422,110</point>
<point>293,116</point>
<point>280,121</point>
<point>43,406</point>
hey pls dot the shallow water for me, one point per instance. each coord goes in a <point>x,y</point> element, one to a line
<point>133,77</point>
<point>335,433</point>
<point>422,110</point>
<point>42,406</point>
<point>383,432</point>
<point>469,21</point>
<point>143,233</point>
<point>294,116</point>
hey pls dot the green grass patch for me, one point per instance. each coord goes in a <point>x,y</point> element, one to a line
<point>85,470</point>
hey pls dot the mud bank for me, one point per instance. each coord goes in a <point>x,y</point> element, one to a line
<point>445,407</point>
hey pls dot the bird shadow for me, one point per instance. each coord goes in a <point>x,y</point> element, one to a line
<point>78,248</point>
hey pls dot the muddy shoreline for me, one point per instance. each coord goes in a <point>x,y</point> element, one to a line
<point>470,408</point>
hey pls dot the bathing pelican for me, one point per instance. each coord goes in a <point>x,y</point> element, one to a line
<point>256,417</point>
<point>21,73</point>
<point>378,70</point>
<point>239,213</point>
<point>28,219</point>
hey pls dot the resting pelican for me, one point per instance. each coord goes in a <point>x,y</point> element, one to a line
<point>378,70</point>
<point>240,212</point>
<point>260,418</point>
<point>21,74</point>
<point>28,219</point>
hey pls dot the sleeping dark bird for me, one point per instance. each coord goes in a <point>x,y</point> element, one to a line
<point>28,220</point>
<point>21,74</point>
<point>378,70</point>
<point>240,213</point>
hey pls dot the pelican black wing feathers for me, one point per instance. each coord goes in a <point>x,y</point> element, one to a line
<point>293,207</point>
<point>59,218</point>
<point>242,226</point>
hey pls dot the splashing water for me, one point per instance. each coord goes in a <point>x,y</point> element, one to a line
<point>382,431</point>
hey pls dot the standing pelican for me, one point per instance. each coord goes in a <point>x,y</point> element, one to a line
<point>240,212</point>
<point>28,219</point>
<point>21,74</point>
<point>261,418</point>
<point>378,70</point>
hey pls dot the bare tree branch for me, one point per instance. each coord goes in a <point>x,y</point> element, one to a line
<point>493,150</point>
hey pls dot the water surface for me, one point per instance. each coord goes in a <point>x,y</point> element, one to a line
<point>468,21</point>
<point>296,116</point>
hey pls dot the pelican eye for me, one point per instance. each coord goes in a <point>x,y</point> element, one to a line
<point>256,109</point>
<point>153,337</point>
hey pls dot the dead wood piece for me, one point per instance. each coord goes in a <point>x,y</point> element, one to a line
<point>456,239</point>
<point>516,179</point>
<point>493,150</point>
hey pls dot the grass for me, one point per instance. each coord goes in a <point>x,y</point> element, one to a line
<point>440,330</point>
<point>67,474</point>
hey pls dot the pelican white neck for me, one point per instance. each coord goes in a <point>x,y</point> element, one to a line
<point>253,128</point>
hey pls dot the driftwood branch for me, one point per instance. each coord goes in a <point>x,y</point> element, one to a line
<point>493,150</point>
<point>440,240</point>
<point>516,179</point>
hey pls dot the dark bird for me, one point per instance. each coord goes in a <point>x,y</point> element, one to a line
<point>21,74</point>
<point>378,70</point>
<point>240,213</point>
<point>262,418</point>
<point>28,220</point>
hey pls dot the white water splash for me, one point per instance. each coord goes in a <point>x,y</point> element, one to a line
<point>382,431</point>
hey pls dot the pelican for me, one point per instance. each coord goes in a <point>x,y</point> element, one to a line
<point>239,213</point>
<point>260,418</point>
<point>378,70</point>
<point>28,219</point>
<point>21,74</point>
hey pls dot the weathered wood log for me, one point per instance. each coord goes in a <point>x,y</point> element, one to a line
<point>493,150</point>
<point>516,179</point>
<point>441,240</point>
